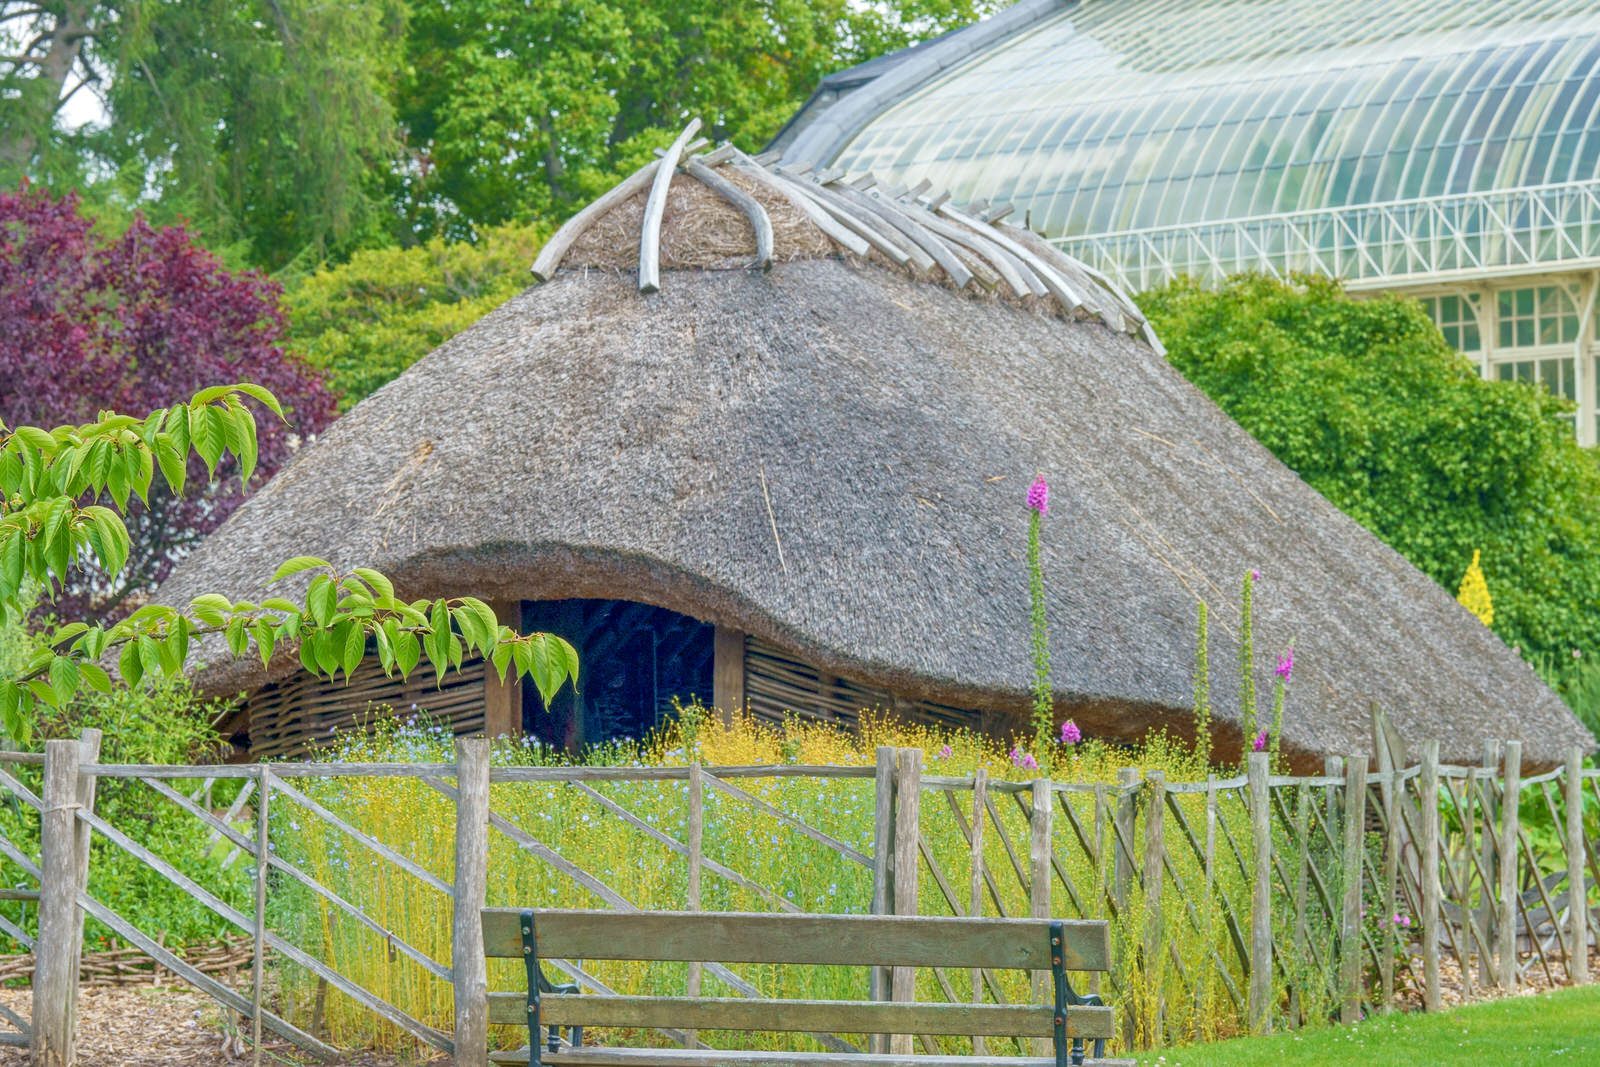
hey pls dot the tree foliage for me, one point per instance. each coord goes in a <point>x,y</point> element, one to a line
<point>365,321</point>
<point>290,131</point>
<point>268,125</point>
<point>1367,403</point>
<point>55,488</point>
<point>134,323</point>
<point>522,111</point>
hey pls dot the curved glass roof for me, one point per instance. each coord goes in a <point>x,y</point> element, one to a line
<point>1143,116</point>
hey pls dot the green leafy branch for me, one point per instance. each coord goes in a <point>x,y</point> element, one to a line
<point>50,522</point>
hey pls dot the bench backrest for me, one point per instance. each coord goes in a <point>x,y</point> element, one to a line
<point>844,940</point>
<point>824,940</point>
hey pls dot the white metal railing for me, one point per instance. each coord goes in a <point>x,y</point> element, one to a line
<point>1403,241</point>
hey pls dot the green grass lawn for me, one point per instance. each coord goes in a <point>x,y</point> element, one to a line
<point>1561,1027</point>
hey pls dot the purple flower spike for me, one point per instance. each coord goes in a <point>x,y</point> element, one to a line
<point>944,752</point>
<point>1255,576</point>
<point>1070,734</point>
<point>1261,741</point>
<point>1286,664</point>
<point>1039,495</point>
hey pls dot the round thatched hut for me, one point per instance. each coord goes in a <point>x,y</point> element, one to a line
<point>764,438</point>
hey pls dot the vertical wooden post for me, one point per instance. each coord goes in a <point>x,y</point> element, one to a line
<point>980,794</point>
<point>1155,847</point>
<point>1431,911</point>
<point>1039,845</point>
<point>727,672</point>
<point>468,968</point>
<point>1577,890</point>
<point>53,1040</point>
<point>258,961</point>
<point>1355,832</point>
<point>697,820</point>
<point>1124,824</point>
<point>88,755</point>
<point>1506,924</point>
<point>1487,970</point>
<point>882,871</point>
<point>907,830</point>
<point>1302,886</point>
<point>1387,793</point>
<point>1260,1000</point>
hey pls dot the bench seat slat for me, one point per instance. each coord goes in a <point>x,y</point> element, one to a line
<point>846,940</point>
<point>594,1056</point>
<point>801,1016</point>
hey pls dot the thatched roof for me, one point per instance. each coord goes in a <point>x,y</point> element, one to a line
<point>832,455</point>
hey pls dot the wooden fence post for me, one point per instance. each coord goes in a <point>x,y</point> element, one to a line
<point>1154,878</point>
<point>1260,1002</point>
<point>1388,796</point>
<point>980,795</point>
<point>1039,845</point>
<point>53,996</point>
<point>468,968</point>
<point>907,829</point>
<point>258,961</point>
<point>1577,889</point>
<point>88,755</point>
<point>1487,971</point>
<point>1431,911</point>
<point>1124,825</point>
<point>1350,946</point>
<point>882,872</point>
<point>1506,924</point>
<point>697,821</point>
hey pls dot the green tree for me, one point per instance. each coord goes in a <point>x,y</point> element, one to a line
<point>523,111</point>
<point>268,124</point>
<point>1367,403</point>
<point>365,321</point>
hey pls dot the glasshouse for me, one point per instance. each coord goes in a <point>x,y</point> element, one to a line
<point>1448,150</point>
<point>802,490</point>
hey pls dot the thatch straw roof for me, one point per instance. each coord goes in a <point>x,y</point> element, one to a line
<point>832,455</point>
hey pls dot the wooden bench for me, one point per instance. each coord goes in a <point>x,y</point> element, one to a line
<point>1052,946</point>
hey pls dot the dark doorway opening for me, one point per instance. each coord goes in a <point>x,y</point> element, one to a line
<point>634,660</point>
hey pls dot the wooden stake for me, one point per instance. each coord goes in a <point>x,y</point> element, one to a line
<point>655,207</point>
<point>1577,890</point>
<point>1487,970</point>
<point>1039,845</point>
<point>468,968</point>
<point>907,827</point>
<point>1350,948</point>
<point>1124,823</point>
<point>1154,879</point>
<point>53,995</point>
<point>88,756</point>
<point>258,963</point>
<point>1431,911</point>
<point>1506,922</point>
<point>1260,1002</point>
<point>882,870</point>
<point>697,820</point>
<point>980,794</point>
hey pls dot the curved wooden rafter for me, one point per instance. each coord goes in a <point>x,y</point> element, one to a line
<point>912,228</point>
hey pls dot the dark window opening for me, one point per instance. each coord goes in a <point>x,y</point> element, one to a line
<point>634,660</point>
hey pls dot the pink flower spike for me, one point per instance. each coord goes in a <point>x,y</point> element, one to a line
<point>944,752</point>
<point>1255,576</point>
<point>1261,741</point>
<point>1070,734</point>
<point>1039,495</point>
<point>1286,664</point>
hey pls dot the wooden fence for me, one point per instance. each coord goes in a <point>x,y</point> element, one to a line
<point>1269,901</point>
